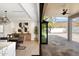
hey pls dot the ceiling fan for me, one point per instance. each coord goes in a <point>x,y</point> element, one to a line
<point>65,11</point>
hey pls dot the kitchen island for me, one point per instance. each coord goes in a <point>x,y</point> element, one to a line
<point>7,49</point>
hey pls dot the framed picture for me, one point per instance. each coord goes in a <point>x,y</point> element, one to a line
<point>26,23</point>
<point>19,30</point>
<point>20,25</point>
<point>25,29</point>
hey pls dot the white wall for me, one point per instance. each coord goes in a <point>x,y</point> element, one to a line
<point>13,27</point>
<point>30,14</point>
<point>31,28</point>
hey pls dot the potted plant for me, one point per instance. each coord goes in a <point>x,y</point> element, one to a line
<point>36,33</point>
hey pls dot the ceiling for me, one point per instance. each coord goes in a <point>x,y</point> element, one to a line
<point>32,9</point>
<point>19,10</point>
<point>55,9</point>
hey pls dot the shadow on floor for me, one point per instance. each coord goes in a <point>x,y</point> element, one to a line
<point>60,46</point>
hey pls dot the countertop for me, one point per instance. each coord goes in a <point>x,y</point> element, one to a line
<point>4,44</point>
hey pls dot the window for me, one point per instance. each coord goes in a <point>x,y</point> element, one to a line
<point>1,28</point>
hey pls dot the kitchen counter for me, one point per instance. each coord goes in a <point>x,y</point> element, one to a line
<point>4,44</point>
<point>7,48</point>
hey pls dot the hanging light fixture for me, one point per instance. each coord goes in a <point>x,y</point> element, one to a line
<point>4,19</point>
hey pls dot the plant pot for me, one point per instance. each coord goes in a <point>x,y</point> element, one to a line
<point>36,39</point>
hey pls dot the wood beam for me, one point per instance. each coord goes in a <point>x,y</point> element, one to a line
<point>74,15</point>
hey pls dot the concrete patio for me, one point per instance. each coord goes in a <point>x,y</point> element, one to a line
<point>58,45</point>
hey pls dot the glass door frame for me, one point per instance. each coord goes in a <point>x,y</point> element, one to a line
<point>44,22</point>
